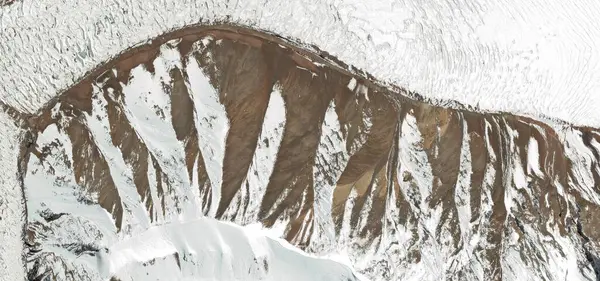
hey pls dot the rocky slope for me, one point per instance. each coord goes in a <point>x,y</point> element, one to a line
<point>244,127</point>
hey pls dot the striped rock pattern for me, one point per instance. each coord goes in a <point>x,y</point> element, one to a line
<point>245,127</point>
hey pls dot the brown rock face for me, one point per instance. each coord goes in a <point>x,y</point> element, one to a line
<point>249,128</point>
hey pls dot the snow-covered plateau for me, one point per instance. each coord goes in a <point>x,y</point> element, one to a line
<point>534,57</point>
<point>155,172</point>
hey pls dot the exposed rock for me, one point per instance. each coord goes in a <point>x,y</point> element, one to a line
<point>244,127</point>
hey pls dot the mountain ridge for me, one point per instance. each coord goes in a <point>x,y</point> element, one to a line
<point>389,172</point>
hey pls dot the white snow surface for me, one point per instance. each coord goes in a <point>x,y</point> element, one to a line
<point>213,250</point>
<point>263,162</point>
<point>212,124</point>
<point>11,208</point>
<point>530,57</point>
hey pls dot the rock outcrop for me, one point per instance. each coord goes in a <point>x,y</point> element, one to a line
<point>246,127</point>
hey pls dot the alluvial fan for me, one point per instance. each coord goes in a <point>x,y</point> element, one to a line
<point>241,126</point>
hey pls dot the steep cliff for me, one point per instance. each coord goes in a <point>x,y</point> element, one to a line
<point>244,127</point>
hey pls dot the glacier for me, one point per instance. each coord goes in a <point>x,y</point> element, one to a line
<point>532,58</point>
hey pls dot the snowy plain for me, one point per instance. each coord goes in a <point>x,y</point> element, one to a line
<point>537,58</point>
<point>11,207</point>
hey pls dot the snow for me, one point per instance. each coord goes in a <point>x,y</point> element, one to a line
<point>330,162</point>
<point>120,172</point>
<point>533,157</point>
<point>535,58</point>
<point>212,125</point>
<point>494,55</point>
<point>352,84</point>
<point>51,185</point>
<point>462,194</point>
<point>263,161</point>
<point>11,207</point>
<point>577,151</point>
<point>183,246</point>
<point>220,251</point>
<point>148,108</point>
<point>414,159</point>
<point>62,196</point>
